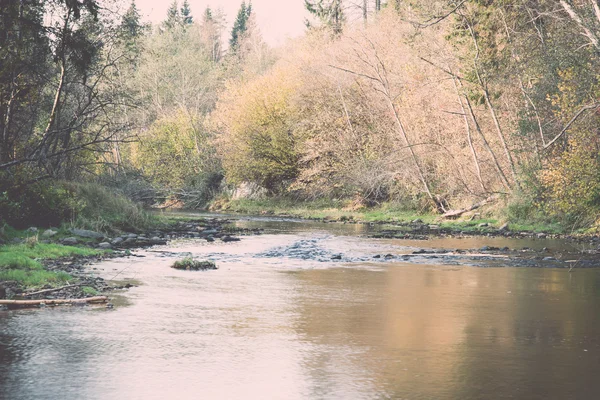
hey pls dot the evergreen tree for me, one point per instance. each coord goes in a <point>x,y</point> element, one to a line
<point>131,27</point>
<point>207,17</point>
<point>240,25</point>
<point>329,12</point>
<point>173,16</point>
<point>24,52</point>
<point>186,13</point>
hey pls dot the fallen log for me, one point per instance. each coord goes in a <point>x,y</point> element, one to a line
<point>51,290</point>
<point>49,302</point>
<point>458,213</point>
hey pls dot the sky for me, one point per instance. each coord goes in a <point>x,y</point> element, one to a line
<point>277,19</point>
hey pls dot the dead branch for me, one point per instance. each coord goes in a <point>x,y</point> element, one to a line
<point>96,299</point>
<point>51,290</point>
<point>458,213</point>
<point>571,122</point>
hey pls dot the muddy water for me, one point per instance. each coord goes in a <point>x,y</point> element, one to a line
<point>281,319</point>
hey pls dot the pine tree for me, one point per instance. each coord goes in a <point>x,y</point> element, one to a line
<point>173,16</point>
<point>131,26</point>
<point>240,25</point>
<point>186,13</point>
<point>207,17</point>
<point>329,12</point>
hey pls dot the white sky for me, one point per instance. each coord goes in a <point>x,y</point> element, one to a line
<point>277,19</point>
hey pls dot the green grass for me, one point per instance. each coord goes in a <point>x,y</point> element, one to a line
<point>21,263</point>
<point>90,291</point>
<point>45,251</point>
<point>326,209</point>
<point>387,212</point>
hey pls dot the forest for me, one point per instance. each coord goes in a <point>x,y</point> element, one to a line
<point>427,105</point>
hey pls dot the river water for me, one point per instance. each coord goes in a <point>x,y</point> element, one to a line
<point>281,319</point>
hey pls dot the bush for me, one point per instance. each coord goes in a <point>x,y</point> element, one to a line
<point>42,204</point>
<point>105,210</point>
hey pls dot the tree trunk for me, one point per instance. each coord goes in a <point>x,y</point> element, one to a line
<point>490,106</point>
<point>586,30</point>
<point>437,204</point>
<point>469,136</point>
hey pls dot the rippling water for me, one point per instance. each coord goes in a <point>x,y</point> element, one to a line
<point>291,328</point>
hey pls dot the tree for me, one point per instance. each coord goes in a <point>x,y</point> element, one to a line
<point>131,28</point>
<point>186,13</point>
<point>240,25</point>
<point>71,114</point>
<point>24,50</point>
<point>211,30</point>
<point>173,16</point>
<point>329,12</point>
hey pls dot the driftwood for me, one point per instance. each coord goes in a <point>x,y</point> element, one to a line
<point>458,213</point>
<point>49,302</point>
<point>51,290</point>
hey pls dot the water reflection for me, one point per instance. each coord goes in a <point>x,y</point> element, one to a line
<point>295,329</point>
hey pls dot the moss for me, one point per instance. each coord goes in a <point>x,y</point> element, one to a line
<point>190,264</point>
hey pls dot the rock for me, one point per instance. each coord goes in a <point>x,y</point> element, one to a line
<point>87,234</point>
<point>210,239</point>
<point>70,241</point>
<point>420,251</point>
<point>489,248</point>
<point>417,221</point>
<point>549,259</point>
<point>32,229</point>
<point>230,239</point>
<point>541,235</point>
<point>434,227</point>
<point>377,256</point>
<point>209,232</point>
<point>388,256</point>
<point>116,241</point>
<point>104,245</point>
<point>48,233</point>
<point>504,227</point>
<point>248,190</point>
<point>483,225</point>
<point>131,236</point>
<point>336,257</point>
<point>17,240</point>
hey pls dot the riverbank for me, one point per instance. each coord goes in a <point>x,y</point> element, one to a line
<point>480,221</point>
<point>44,261</point>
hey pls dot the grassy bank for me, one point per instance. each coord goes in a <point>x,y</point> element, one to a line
<point>60,206</point>
<point>387,212</point>
<point>22,263</point>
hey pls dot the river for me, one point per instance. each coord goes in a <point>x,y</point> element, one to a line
<point>282,318</point>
